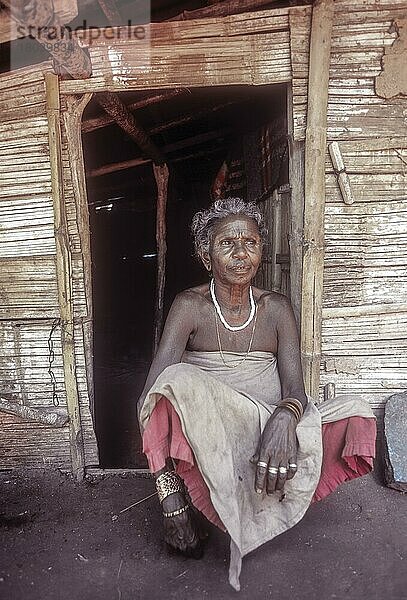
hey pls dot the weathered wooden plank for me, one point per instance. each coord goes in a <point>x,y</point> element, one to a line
<point>63,271</point>
<point>314,183</point>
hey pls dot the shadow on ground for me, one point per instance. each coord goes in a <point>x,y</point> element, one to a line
<point>60,540</point>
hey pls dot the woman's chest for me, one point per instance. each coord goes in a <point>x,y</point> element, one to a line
<point>211,335</point>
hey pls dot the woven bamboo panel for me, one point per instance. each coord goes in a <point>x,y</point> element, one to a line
<point>365,274</point>
<point>29,287</point>
<point>28,283</point>
<point>366,355</point>
<point>249,49</point>
<point>26,444</point>
<point>22,93</point>
<point>361,32</point>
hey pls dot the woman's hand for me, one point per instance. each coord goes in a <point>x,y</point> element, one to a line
<point>277,454</point>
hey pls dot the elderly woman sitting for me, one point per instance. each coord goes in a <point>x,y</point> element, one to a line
<point>227,426</point>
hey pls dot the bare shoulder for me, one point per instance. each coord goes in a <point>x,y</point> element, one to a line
<point>192,297</point>
<point>274,303</point>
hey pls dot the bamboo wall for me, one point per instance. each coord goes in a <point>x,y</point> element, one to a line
<point>364,343</point>
<point>28,283</point>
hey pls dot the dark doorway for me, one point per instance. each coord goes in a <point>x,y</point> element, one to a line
<point>228,140</point>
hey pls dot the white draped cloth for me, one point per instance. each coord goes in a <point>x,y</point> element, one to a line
<point>223,412</point>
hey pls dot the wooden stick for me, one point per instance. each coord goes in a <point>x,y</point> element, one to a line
<point>221,9</point>
<point>296,167</point>
<point>119,166</point>
<point>161,176</point>
<point>315,147</point>
<point>47,415</point>
<point>340,172</point>
<point>98,122</point>
<point>114,107</point>
<point>111,12</point>
<point>64,277</point>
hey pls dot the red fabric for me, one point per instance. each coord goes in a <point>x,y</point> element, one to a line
<point>163,437</point>
<point>348,452</point>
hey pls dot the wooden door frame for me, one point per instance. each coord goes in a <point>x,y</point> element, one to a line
<point>248,73</point>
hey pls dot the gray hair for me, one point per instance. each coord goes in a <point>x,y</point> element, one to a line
<point>203,221</point>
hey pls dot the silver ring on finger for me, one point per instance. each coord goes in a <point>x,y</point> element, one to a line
<point>282,471</point>
<point>273,470</point>
<point>262,464</point>
<point>293,466</point>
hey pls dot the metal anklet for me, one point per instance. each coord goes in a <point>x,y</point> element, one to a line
<point>174,513</point>
<point>168,483</point>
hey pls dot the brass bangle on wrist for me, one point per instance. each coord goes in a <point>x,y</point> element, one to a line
<point>293,405</point>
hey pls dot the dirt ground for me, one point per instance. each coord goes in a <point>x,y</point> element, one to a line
<point>61,540</point>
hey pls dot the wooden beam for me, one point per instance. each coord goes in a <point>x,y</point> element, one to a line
<point>119,166</point>
<point>195,140</point>
<point>119,112</point>
<point>190,117</point>
<point>111,12</point>
<point>39,20</point>
<point>103,120</point>
<point>314,209</point>
<point>136,162</point>
<point>161,176</point>
<point>64,276</point>
<point>222,9</point>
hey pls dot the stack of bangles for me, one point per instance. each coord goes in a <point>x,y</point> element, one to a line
<point>293,405</point>
<point>169,483</point>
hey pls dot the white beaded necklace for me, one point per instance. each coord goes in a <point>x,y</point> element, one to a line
<point>222,318</point>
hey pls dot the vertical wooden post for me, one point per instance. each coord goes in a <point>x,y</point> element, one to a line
<point>161,177</point>
<point>315,150</point>
<point>72,121</point>
<point>296,175</point>
<point>276,242</point>
<point>64,277</point>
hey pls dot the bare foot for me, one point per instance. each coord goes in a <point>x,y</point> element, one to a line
<point>181,532</point>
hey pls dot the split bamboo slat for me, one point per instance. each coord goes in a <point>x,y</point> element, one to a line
<point>365,282</point>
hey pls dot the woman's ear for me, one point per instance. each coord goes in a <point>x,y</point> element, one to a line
<point>206,259</point>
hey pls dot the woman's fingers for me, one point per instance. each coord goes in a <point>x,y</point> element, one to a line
<point>272,476</point>
<point>261,475</point>
<point>282,477</point>
<point>292,467</point>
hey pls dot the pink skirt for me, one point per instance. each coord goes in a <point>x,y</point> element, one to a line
<point>348,452</point>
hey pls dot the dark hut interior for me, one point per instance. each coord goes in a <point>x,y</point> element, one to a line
<point>228,140</point>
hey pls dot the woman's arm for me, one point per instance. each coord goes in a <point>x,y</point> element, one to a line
<point>277,455</point>
<point>288,354</point>
<point>178,327</point>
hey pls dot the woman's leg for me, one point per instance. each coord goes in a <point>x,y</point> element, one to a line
<point>163,440</point>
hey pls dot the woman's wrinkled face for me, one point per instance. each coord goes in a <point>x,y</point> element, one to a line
<point>235,250</point>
